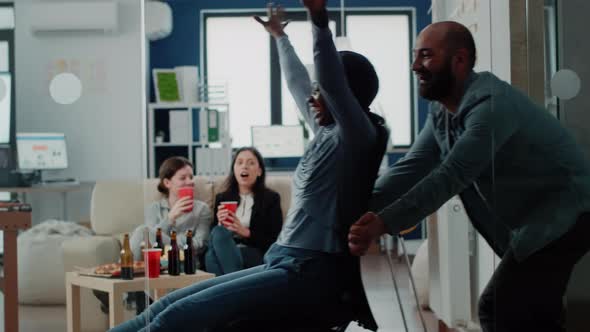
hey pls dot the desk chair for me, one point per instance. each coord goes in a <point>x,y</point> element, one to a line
<point>400,237</point>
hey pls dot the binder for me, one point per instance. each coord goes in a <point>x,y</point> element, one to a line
<point>196,125</point>
<point>179,129</point>
<point>213,126</point>
<point>203,126</point>
<point>223,127</point>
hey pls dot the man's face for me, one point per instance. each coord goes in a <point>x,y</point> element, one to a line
<point>316,104</point>
<point>433,66</point>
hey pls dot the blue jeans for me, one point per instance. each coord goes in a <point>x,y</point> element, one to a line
<point>293,285</point>
<point>224,256</point>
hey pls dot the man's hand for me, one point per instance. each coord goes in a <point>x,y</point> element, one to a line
<point>314,6</point>
<point>364,232</point>
<point>275,24</point>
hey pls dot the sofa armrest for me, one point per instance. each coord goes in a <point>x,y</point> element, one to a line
<point>90,251</point>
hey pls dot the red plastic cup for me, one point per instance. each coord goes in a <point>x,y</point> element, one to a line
<point>152,261</point>
<point>230,205</point>
<point>187,192</point>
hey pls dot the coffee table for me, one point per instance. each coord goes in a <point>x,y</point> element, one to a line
<point>116,287</point>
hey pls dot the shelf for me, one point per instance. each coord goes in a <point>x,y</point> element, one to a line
<point>169,144</point>
<point>190,105</point>
<point>191,144</point>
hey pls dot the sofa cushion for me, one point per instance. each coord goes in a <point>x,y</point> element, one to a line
<point>282,185</point>
<point>116,206</point>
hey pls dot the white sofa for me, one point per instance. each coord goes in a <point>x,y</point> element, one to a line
<point>117,207</point>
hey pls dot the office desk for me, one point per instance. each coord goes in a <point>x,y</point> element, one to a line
<point>10,223</point>
<point>63,189</point>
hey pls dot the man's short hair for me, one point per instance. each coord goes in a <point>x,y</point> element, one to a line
<point>458,37</point>
<point>361,76</point>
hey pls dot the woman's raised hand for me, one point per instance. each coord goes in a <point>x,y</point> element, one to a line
<point>276,23</point>
<point>183,204</point>
<point>229,220</point>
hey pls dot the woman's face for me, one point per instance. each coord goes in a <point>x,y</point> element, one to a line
<point>182,178</point>
<point>316,104</point>
<point>247,169</point>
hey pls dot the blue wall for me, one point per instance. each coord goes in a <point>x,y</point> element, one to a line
<point>182,47</point>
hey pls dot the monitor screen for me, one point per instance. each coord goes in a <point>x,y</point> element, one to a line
<point>39,151</point>
<point>5,109</point>
<point>278,141</point>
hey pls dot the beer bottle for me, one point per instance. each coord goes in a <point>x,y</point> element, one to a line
<point>189,254</point>
<point>159,243</point>
<point>142,247</point>
<point>126,260</point>
<point>173,256</point>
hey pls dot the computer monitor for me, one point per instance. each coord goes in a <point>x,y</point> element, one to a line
<point>41,151</point>
<point>278,141</point>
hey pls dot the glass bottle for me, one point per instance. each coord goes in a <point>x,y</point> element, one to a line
<point>159,243</point>
<point>189,254</point>
<point>126,260</point>
<point>173,256</point>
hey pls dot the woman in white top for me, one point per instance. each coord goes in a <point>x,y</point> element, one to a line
<point>239,240</point>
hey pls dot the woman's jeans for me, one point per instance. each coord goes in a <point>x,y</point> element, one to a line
<point>292,285</point>
<point>225,256</point>
<point>528,295</point>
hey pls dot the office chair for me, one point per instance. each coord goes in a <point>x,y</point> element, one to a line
<point>400,237</point>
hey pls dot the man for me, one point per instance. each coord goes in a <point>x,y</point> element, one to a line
<point>524,182</point>
<point>308,275</point>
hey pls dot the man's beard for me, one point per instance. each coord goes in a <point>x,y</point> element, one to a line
<point>439,84</point>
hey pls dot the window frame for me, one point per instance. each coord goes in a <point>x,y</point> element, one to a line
<point>297,14</point>
<point>8,35</point>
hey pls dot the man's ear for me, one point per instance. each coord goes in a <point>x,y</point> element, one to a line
<point>461,58</point>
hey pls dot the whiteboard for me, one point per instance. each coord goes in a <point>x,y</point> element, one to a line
<point>278,141</point>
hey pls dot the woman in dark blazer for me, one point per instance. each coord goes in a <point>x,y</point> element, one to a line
<point>239,239</point>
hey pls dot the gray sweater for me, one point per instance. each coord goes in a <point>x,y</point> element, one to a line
<point>156,216</point>
<point>332,173</point>
<point>521,176</point>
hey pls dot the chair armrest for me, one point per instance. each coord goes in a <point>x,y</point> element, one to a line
<point>90,251</point>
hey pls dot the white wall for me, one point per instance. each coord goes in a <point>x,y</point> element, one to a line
<point>488,21</point>
<point>574,54</point>
<point>575,115</point>
<point>105,128</point>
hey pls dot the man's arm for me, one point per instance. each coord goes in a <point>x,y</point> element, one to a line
<point>423,157</point>
<point>294,72</point>
<point>486,131</point>
<point>334,89</point>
